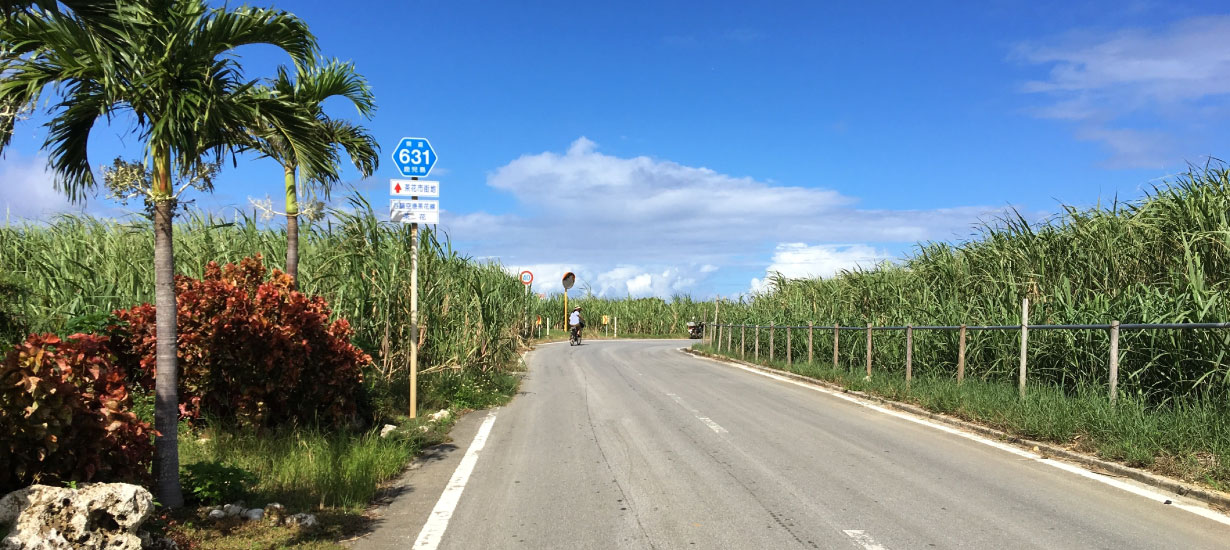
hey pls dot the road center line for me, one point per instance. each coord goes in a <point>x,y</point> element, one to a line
<point>712,425</point>
<point>1173,501</point>
<point>864,540</point>
<point>437,522</point>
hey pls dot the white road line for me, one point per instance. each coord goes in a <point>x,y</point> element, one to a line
<point>1072,468</point>
<point>712,425</point>
<point>437,522</point>
<point>864,540</point>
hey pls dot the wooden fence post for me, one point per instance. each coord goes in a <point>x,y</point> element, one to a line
<point>757,355</point>
<point>1024,341</point>
<point>789,354</point>
<point>836,340</point>
<point>961,355</point>
<point>810,332</point>
<point>868,350</point>
<point>742,341</point>
<point>719,338</point>
<point>730,338</point>
<point>1114,361</point>
<point>909,354</point>
<point>771,349</point>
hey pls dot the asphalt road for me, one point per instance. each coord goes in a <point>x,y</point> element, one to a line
<point>633,444</point>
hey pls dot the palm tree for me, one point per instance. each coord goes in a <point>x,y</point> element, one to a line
<point>165,63</point>
<point>308,92</point>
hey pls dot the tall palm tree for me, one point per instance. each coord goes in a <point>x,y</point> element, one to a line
<point>165,62</point>
<point>308,92</point>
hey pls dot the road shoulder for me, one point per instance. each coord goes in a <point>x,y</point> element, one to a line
<point>1218,503</point>
<point>401,510</point>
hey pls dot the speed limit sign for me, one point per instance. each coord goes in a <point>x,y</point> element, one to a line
<point>527,278</point>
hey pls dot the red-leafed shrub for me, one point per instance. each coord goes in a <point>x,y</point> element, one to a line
<point>65,415</point>
<point>254,350</point>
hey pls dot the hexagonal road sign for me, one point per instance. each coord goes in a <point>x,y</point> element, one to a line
<point>414,157</point>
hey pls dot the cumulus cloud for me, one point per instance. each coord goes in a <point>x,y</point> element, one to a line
<point>27,190</point>
<point>645,226</point>
<point>800,260</point>
<point>1178,75</point>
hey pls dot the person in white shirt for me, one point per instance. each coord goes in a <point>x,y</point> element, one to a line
<point>575,322</point>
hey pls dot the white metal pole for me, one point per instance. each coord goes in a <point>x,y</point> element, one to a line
<point>1114,361</point>
<point>1024,341</point>
<point>414,317</point>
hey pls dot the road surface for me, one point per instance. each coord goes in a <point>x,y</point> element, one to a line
<point>633,444</point>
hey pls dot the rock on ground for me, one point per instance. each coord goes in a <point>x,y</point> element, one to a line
<point>305,521</point>
<point>96,516</point>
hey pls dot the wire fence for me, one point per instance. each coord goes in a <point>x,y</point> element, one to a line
<point>725,333</point>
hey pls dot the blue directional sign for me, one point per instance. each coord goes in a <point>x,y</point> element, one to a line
<point>414,157</point>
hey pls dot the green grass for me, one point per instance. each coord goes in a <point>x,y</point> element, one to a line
<point>307,468</point>
<point>1189,440</point>
<point>334,474</point>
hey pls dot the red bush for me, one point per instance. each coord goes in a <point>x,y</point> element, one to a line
<point>254,349</point>
<point>65,415</point>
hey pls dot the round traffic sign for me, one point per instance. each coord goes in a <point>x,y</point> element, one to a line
<point>569,279</point>
<point>527,277</point>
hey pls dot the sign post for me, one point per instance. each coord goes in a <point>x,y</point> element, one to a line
<point>568,281</point>
<point>526,279</point>
<point>414,158</point>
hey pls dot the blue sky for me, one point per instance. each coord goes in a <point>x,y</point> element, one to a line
<point>662,147</point>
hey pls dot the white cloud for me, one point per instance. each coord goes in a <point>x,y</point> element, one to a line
<point>27,190</point>
<point>1176,76</point>
<point>800,260</point>
<point>647,226</point>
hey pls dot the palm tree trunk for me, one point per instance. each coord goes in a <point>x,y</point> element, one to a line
<point>166,383</point>
<point>292,227</point>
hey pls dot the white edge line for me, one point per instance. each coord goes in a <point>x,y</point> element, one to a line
<point>717,428</point>
<point>1072,468</point>
<point>437,521</point>
<point>863,539</point>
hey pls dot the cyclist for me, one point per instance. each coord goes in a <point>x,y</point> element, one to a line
<point>576,322</point>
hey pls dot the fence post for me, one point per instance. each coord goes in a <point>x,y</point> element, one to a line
<point>548,327</point>
<point>961,355</point>
<point>909,354</point>
<point>1024,341</point>
<point>789,356</point>
<point>616,319</point>
<point>836,340</point>
<point>757,355</point>
<point>868,350</point>
<point>742,341</point>
<point>719,338</point>
<point>771,349</point>
<point>730,338</point>
<point>1114,360</point>
<point>810,332</point>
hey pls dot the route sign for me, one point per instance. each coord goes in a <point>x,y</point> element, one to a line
<point>527,278</point>
<point>414,188</point>
<point>414,211</point>
<point>414,157</point>
<point>568,280</point>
